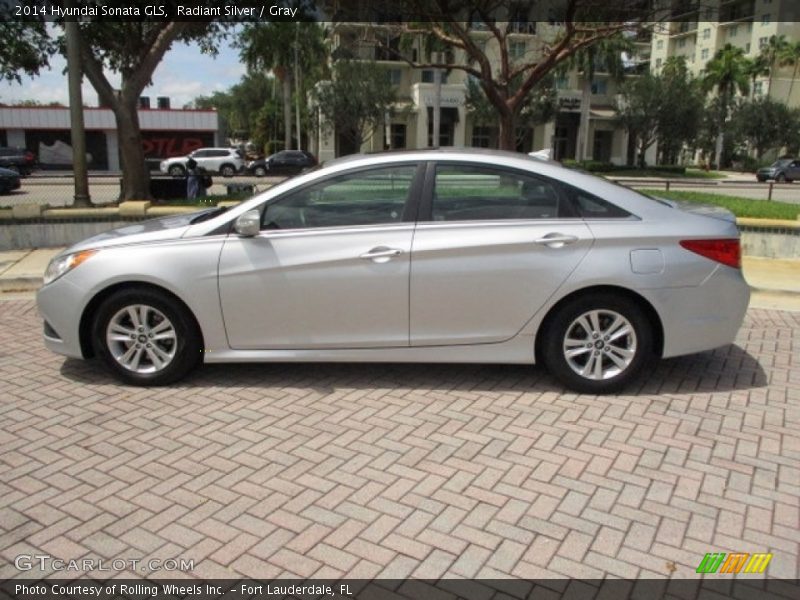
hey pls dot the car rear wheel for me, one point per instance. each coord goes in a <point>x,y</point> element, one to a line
<point>597,344</point>
<point>177,171</point>
<point>227,171</point>
<point>260,172</point>
<point>146,338</point>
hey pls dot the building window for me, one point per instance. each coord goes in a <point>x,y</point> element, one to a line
<point>747,48</point>
<point>562,82</point>
<point>481,137</point>
<point>600,86</point>
<point>427,76</point>
<point>704,54</point>
<point>762,42</point>
<point>707,33</point>
<point>682,43</point>
<point>394,76</point>
<point>758,88</point>
<point>734,31</point>
<point>660,45</point>
<point>765,19</point>
<point>517,50</point>
<point>658,63</point>
<point>398,135</point>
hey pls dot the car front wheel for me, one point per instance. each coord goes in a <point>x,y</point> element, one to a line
<point>260,172</point>
<point>780,178</point>
<point>597,344</point>
<point>145,337</point>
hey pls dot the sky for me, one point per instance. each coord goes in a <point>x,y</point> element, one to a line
<point>184,74</point>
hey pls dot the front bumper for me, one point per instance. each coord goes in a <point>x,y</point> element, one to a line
<point>61,304</point>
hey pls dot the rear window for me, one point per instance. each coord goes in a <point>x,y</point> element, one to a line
<point>590,206</point>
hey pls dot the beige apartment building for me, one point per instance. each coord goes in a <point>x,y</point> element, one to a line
<point>585,125</point>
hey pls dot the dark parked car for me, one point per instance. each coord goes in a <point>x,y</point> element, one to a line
<point>9,180</point>
<point>18,159</point>
<point>783,169</point>
<point>285,162</point>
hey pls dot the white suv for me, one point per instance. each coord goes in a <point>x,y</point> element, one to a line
<point>225,161</point>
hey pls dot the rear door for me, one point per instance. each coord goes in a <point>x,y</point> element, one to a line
<point>491,247</point>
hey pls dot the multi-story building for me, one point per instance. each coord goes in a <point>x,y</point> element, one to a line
<point>697,32</point>
<point>585,125</point>
<point>411,123</point>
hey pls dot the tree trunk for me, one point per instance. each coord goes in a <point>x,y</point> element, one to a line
<point>287,112</point>
<point>135,175</point>
<point>508,137</point>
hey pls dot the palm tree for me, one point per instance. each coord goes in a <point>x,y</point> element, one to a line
<point>775,48</point>
<point>270,47</point>
<point>790,57</point>
<point>606,56</point>
<point>728,73</point>
<point>287,48</point>
<point>756,67</point>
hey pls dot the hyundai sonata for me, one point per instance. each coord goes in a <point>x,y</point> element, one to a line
<point>422,256</point>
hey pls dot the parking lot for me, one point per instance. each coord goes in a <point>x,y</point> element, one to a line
<point>424,471</point>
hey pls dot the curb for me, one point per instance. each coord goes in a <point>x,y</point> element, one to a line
<point>20,284</point>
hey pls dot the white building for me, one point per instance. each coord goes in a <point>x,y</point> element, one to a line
<point>46,132</point>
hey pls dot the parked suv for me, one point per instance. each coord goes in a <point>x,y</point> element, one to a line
<point>18,159</point>
<point>783,169</point>
<point>225,161</point>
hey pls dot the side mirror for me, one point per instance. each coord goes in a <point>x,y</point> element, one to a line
<point>248,224</point>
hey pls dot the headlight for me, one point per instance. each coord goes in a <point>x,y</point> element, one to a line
<point>63,264</point>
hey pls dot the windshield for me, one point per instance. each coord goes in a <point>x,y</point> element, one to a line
<point>782,162</point>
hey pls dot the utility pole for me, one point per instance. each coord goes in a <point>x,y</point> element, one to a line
<point>78,133</point>
<point>297,83</point>
<point>437,100</point>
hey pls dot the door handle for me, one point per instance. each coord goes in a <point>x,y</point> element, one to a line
<point>556,240</point>
<point>381,252</point>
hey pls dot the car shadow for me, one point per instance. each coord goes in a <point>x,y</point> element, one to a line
<point>725,369</point>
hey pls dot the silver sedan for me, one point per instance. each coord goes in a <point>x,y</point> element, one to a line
<point>423,256</point>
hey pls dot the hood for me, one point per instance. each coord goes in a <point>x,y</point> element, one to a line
<point>163,228</point>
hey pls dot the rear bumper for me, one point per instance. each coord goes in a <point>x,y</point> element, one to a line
<point>705,317</point>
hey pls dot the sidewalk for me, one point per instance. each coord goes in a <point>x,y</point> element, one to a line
<point>775,282</point>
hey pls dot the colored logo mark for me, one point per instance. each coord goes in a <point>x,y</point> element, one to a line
<point>737,562</point>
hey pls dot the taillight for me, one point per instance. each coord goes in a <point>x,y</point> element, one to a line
<point>29,156</point>
<point>728,252</point>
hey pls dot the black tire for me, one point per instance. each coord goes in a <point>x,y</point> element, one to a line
<point>789,180</point>
<point>565,321</point>
<point>780,178</point>
<point>185,348</point>
<point>177,171</point>
<point>227,170</point>
<point>260,171</point>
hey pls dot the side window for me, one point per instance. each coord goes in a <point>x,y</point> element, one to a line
<point>199,154</point>
<point>475,193</point>
<point>370,197</point>
<point>590,206</point>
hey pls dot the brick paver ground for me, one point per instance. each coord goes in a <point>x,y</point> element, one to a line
<point>403,470</point>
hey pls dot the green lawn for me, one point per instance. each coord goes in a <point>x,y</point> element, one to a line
<point>741,207</point>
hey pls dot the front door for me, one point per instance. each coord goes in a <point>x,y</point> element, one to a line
<point>329,269</point>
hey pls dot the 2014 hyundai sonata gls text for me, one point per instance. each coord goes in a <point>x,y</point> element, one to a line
<point>421,256</point>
